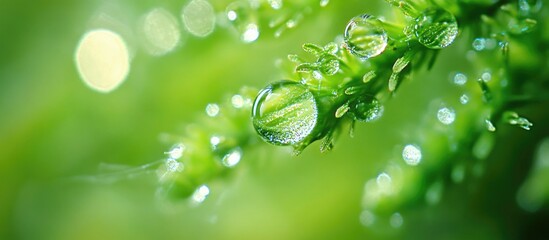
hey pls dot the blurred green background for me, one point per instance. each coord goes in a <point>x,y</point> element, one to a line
<point>54,130</point>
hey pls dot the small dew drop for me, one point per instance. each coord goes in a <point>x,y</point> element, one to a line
<point>275,4</point>
<point>215,141</point>
<point>367,218</point>
<point>251,33</point>
<point>200,194</point>
<point>324,3</point>
<point>173,165</point>
<point>460,79</point>
<point>446,115</point>
<point>176,151</point>
<point>486,76</point>
<point>365,36</point>
<point>199,18</point>
<point>435,28</point>
<point>479,44</point>
<point>464,99</point>
<point>367,109</point>
<point>237,101</point>
<point>285,113</point>
<point>396,220</point>
<point>212,109</point>
<point>489,125</point>
<point>232,158</point>
<point>384,182</point>
<point>411,154</point>
<point>231,15</point>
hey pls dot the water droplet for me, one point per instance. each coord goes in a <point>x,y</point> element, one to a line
<point>489,125</point>
<point>251,33</point>
<point>367,109</point>
<point>285,113</point>
<point>161,31</point>
<point>212,109</point>
<point>411,155</point>
<point>396,220</point>
<point>324,3</point>
<point>232,158</point>
<point>384,183</point>
<point>237,101</point>
<point>102,60</point>
<point>275,4</point>
<point>514,119</point>
<point>486,76</point>
<point>200,194</point>
<point>365,36</point>
<point>176,151</point>
<point>460,79</point>
<point>215,141</point>
<point>231,15</point>
<point>479,44</point>
<point>530,6</point>
<point>367,218</point>
<point>173,165</point>
<point>464,99</point>
<point>446,115</point>
<point>199,18</point>
<point>317,75</point>
<point>435,28</point>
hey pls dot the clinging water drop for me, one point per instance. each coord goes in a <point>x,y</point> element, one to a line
<point>435,28</point>
<point>285,113</point>
<point>365,36</point>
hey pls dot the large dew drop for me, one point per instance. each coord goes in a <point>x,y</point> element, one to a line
<point>365,36</point>
<point>285,113</point>
<point>435,28</point>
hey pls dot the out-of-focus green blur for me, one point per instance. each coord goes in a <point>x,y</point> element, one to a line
<point>56,133</point>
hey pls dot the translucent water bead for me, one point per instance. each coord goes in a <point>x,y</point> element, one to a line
<point>366,109</point>
<point>285,113</point>
<point>435,28</point>
<point>365,36</point>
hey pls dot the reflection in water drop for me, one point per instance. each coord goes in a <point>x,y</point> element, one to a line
<point>365,36</point>
<point>161,31</point>
<point>275,4</point>
<point>446,115</point>
<point>232,158</point>
<point>200,194</point>
<point>411,154</point>
<point>285,113</point>
<point>199,18</point>
<point>212,109</point>
<point>435,28</point>
<point>396,220</point>
<point>102,60</point>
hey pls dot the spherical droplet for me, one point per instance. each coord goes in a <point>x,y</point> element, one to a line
<point>411,154</point>
<point>232,158</point>
<point>365,36</point>
<point>460,79</point>
<point>200,194</point>
<point>285,113</point>
<point>396,220</point>
<point>435,28</point>
<point>446,115</point>
<point>367,109</point>
<point>464,99</point>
